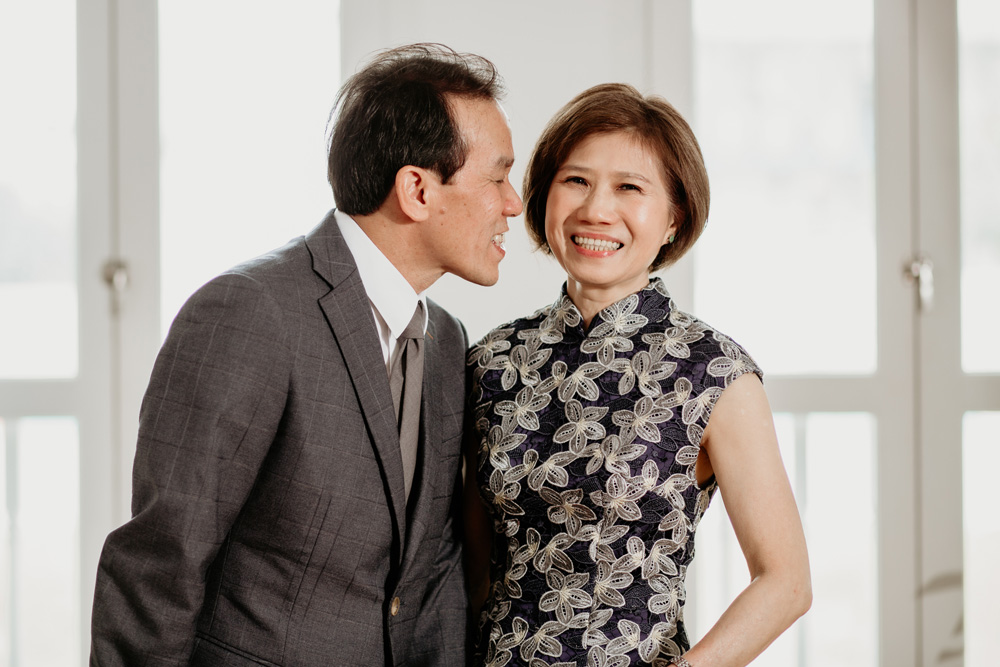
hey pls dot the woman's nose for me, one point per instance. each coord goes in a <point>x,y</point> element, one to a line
<point>597,207</point>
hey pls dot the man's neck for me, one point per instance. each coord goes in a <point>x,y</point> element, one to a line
<point>399,239</point>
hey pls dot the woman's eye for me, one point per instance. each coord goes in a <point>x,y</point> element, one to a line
<point>629,186</point>
<point>575,179</point>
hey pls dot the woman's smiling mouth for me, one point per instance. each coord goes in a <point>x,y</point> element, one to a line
<point>597,245</point>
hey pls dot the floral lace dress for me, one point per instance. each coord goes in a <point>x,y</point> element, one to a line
<point>587,449</point>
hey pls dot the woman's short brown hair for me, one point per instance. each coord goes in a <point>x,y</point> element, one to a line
<point>619,107</point>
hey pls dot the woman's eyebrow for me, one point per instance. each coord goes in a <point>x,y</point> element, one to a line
<point>627,175</point>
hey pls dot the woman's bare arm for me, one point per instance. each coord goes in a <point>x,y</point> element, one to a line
<point>742,451</point>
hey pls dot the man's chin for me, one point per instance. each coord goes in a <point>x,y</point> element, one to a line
<point>482,278</point>
<point>487,282</point>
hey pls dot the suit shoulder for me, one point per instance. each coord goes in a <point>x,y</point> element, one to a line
<point>281,273</point>
<point>444,326</point>
<point>260,288</point>
<point>292,258</point>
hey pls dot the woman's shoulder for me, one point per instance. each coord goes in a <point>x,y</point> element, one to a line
<point>718,355</point>
<point>500,338</point>
<point>501,335</point>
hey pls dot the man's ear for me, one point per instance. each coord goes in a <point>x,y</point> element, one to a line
<point>414,190</point>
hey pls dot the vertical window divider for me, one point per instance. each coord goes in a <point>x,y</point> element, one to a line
<point>93,396</point>
<point>898,464</point>
<point>938,339</point>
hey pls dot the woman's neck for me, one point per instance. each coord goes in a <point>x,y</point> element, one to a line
<point>591,300</point>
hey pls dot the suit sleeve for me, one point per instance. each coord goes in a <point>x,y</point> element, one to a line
<point>214,403</point>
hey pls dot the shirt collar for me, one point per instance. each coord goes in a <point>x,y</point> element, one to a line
<point>387,289</point>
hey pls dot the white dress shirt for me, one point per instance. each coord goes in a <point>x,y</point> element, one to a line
<point>391,297</point>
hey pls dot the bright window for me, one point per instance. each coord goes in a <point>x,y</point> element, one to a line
<point>245,91</point>
<point>784,114</point>
<point>979,108</point>
<point>38,190</point>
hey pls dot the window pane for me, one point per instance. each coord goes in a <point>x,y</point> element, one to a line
<point>41,543</point>
<point>784,114</point>
<point>979,109</point>
<point>243,132</point>
<point>839,515</point>
<point>6,569</point>
<point>38,190</point>
<point>980,461</point>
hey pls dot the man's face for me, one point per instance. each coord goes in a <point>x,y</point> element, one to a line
<point>467,227</point>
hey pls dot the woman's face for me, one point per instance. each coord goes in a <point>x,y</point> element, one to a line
<point>607,216</point>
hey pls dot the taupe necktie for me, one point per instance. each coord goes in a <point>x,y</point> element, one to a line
<point>405,379</point>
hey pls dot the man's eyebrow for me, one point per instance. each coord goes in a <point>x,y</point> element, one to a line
<point>505,162</point>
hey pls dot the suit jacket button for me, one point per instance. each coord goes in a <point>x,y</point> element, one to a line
<point>394,607</point>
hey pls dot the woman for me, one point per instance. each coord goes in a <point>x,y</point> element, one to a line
<point>604,422</point>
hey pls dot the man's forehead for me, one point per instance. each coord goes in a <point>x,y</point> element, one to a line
<point>482,120</point>
<point>474,107</point>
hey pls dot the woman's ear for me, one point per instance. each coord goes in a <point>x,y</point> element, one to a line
<point>414,188</point>
<point>671,232</point>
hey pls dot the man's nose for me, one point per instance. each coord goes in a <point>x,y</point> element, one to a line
<point>513,204</point>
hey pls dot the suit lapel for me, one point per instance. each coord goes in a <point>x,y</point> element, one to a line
<point>430,434</point>
<point>348,312</point>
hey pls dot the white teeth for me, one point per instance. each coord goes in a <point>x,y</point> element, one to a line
<point>596,244</point>
<point>498,241</point>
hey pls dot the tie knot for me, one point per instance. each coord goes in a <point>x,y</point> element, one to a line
<point>415,329</point>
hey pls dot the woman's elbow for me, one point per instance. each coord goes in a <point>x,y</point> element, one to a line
<point>793,591</point>
<point>800,594</point>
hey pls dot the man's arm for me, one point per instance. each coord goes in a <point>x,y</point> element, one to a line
<point>210,414</point>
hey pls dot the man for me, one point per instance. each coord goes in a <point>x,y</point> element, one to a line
<point>287,507</point>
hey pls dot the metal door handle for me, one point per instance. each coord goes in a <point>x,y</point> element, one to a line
<point>921,271</point>
<point>116,275</point>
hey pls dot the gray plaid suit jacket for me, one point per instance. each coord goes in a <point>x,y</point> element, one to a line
<point>269,521</point>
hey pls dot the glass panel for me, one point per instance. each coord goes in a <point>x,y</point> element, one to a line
<point>980,461</point>
<point>816,448</point>
<point>784,114</point>
<point>41,543</point>
<point>979,109</point>
<point>38,190</point>
<point>244,153</point>
<point>6,569</point>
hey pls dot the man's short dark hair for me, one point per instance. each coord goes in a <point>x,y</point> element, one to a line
<point>395,112</point>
